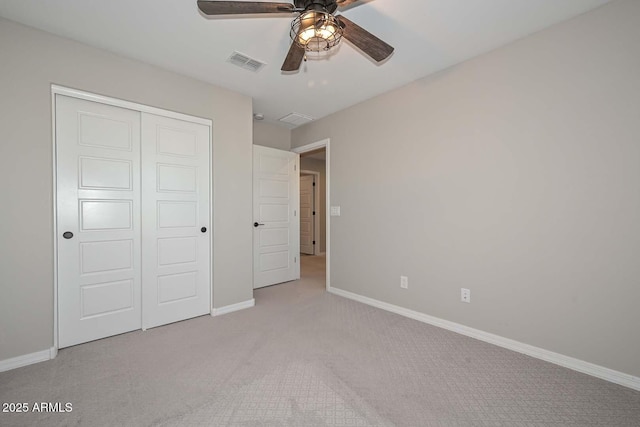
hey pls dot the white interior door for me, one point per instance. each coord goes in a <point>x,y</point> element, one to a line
<point>306,214</point>
<point>276,238</point>
<point>176,227</point>
<point>98,218</point>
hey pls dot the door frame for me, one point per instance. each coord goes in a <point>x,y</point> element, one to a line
<point>115,102</point>
<point>326,144</point>
<point>316,206</point>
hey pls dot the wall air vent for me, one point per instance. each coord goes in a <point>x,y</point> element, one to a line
<point>243,61</point>
<point>296,119</point>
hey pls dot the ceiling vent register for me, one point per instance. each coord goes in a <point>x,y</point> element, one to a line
<point>243,61</point>
<point>296,119</point>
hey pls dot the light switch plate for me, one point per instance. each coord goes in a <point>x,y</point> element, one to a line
<point>335,210</point>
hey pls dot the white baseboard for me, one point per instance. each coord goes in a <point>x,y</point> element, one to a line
<point>233,307</point>
<point>537,352</point>
<point>28,359</point>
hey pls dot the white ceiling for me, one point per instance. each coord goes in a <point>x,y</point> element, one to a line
<point>428,36</point>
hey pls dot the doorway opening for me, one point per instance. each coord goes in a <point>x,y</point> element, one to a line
<point>314,218</point>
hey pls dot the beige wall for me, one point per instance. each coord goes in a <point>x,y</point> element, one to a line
<point>516,175</point>
<point>270,135</point>
<point>31,62</point>
<point>317,165</point>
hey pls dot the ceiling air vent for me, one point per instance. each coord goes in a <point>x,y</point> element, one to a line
<point>296,119</point>
<point>243,61</point>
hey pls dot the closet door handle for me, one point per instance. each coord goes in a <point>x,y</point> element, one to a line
<point>203,229</point>
<point>255,224</point>
<point>67,235</point>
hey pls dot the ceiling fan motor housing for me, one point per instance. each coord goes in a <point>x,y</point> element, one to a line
<point>329,6</point>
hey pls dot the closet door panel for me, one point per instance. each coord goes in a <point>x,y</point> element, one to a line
<point>98,220</point>
<point>176,230</point>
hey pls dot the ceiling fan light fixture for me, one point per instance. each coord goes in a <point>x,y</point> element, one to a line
<point>316,31</point>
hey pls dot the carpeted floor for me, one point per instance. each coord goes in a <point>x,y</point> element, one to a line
<point>303,357</point>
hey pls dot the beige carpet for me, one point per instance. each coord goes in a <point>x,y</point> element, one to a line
<point>303,357</point>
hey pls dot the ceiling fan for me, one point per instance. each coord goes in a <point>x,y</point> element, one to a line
<point>315,29</point>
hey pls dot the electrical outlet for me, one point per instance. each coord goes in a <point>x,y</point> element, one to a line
<point>404,282</point>
<point>465,295</point>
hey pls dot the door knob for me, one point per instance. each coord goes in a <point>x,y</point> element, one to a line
<point>67,234</point>
<point>203,229</point>
<point>255,224</point>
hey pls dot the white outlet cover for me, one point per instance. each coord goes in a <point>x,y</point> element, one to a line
<point>404,282</point>
<point>465,295</point>
<point>335,210</point>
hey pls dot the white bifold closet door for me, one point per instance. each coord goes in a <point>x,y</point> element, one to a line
<point>132,206</point>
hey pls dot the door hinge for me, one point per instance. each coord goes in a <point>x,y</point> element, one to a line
<point>314,212</point>
<point>314,242</point>
<point>295,259</point>
<point>294,212</point>
<point>314,184</point>
<point>294,167</point>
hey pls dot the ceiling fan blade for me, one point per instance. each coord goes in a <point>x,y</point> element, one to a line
<point>364,40</point>
<point>242,7</point>
<point>294,58</point>
<point>343,3</point>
